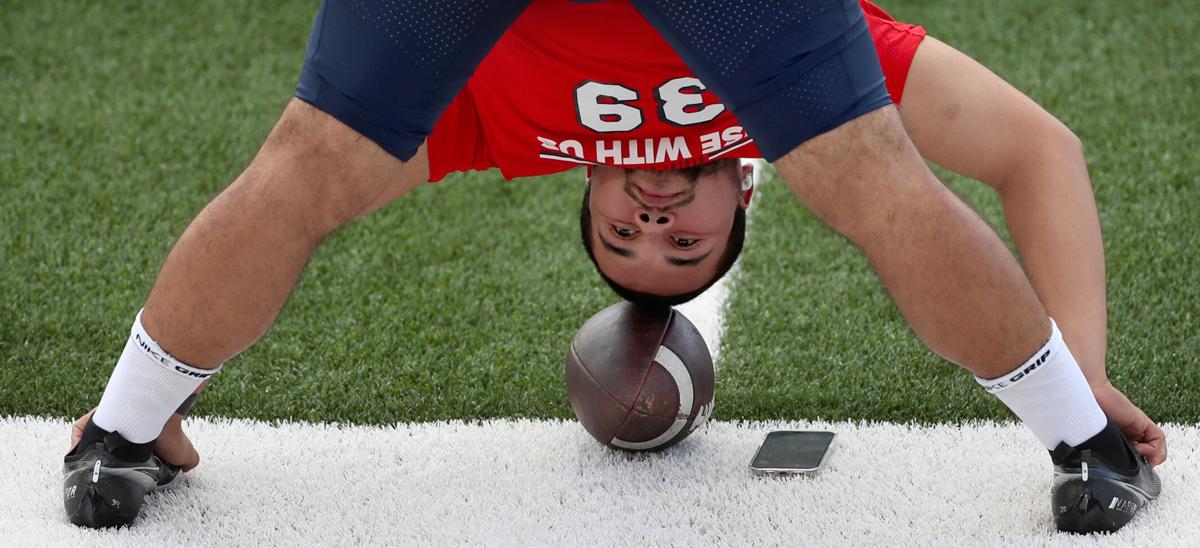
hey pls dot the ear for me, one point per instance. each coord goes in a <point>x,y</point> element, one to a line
<point>747,186</point>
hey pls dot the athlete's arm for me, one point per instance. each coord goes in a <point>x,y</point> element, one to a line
<point>963,117</point>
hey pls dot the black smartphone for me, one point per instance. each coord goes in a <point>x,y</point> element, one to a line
<point>792,452</point>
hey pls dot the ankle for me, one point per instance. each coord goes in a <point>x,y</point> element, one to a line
<point>1111,446</point>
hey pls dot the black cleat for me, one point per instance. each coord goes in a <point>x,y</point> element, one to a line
<point>106,477</point>
<point>1090,495</point>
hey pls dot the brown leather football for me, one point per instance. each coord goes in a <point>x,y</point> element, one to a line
<point>639,378</point>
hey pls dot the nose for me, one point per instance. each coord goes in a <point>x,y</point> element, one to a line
<point>653,222</point>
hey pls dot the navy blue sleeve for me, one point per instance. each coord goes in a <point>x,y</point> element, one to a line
<point>388,68</point>
<point>789,71</point>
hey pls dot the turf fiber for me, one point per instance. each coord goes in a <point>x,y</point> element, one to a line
<point>120,120</point>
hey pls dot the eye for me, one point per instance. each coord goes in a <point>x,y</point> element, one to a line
<point>623,232</point>
<point>686,242</point>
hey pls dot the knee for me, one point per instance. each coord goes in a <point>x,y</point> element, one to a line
<point>316,171</point>
<point>864,177</point>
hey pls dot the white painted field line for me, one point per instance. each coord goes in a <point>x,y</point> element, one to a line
<point>547,483</point>
<point>707,311</point>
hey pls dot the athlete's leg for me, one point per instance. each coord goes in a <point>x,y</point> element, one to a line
<point>374,82</point>
<point>231,271</point>
<point>378,80</point>
<point>228,275</point>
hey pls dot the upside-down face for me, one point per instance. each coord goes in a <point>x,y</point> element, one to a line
<point>663,233</point>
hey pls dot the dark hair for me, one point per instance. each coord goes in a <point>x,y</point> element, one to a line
<point>733,248</point>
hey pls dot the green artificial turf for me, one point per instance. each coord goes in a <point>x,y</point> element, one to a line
<point>120,120</point>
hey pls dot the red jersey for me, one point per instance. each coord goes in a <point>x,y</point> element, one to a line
<point>593,83</point>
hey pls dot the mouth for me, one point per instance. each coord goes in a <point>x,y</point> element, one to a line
<point>657,198</point>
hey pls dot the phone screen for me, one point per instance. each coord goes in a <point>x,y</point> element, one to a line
<point>792,450</point>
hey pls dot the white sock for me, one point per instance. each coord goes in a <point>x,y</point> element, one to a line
<point>1050,395</point>
<point>145,388</point>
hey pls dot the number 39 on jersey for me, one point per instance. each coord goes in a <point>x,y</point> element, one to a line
<point>630,132</point>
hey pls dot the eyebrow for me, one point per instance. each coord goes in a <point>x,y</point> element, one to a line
<point>614,249</point>
<point>688,262</point>
<point>677,261</point>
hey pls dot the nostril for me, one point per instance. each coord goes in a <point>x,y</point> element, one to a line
<point>661,220</point>
<point>645,217</point>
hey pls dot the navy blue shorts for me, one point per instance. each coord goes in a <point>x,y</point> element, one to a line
<point>788,70</point>
<point>388,68</point>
